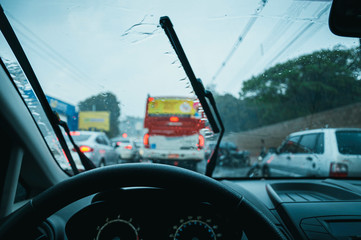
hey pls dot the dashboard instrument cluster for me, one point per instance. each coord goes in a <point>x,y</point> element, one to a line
<point>129,215</point>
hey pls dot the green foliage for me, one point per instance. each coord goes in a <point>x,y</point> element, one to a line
<point>309,84</point>
<point>104,102</point>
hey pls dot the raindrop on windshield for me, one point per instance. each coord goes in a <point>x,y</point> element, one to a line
<point>169,53</point>
<point>145,29</point>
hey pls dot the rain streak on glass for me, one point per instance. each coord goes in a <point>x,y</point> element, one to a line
<point>145,29</point>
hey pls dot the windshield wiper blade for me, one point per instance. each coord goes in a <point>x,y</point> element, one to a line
<point>20,55</point>
<point>85,161</point>
<point>214,117</point>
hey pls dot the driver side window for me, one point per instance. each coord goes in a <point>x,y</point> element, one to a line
<point>290,145</point>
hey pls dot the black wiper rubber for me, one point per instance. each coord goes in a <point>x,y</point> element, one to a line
<point>85,161</point>
<point>196,83</point>
<point>199,90</point>
<point>211,162</point>
<point>20,55</point>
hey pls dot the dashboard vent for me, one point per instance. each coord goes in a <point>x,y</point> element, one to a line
<point>289,196</point>
<point>308,192</point>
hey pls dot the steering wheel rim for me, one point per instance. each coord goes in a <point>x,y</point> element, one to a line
<point>132,175</point>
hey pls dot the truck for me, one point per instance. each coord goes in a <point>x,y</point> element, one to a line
<point>174,131</point>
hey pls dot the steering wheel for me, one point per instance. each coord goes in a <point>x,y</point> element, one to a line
<point>255,223</point>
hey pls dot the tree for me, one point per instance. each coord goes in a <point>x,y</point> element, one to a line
<point>306,85</point>
<point>311,83</point>
<point>104,102</point>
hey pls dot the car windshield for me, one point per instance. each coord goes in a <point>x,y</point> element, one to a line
<point>287,89</point>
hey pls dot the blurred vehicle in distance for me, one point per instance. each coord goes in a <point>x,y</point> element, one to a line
<point>95,145</point>
<point>126,149</point>
<point>140,148</point>
<point>208,148</point>
<point>258,168</point>
<point>174,131</point>
<point>229,155</point>
<point>333,152</point>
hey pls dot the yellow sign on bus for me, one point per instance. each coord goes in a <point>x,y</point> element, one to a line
<point>172,106</point>
<point>94,120</point>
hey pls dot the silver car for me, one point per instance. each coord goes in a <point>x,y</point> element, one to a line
<point>126,149</point>
<point>333,152</point>
<point>96,146</point>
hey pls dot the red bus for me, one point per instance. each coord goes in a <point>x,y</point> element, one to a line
<point>174,127</point>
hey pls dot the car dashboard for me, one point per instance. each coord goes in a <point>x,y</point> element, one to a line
<point>300,208</point>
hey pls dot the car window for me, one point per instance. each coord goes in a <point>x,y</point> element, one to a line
<point>290,145</point>
<point>349,142</point>
<point>80,137</point>
<point>100,140</point>
<point>320,145</point>
<point>307,143</point>
<point>106,140</point>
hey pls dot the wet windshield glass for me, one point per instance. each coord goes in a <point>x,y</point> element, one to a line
<point>287,89</point>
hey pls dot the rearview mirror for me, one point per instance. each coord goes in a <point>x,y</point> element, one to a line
<point>345,18</point>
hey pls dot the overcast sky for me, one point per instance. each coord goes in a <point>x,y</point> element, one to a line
<point>84,47</point>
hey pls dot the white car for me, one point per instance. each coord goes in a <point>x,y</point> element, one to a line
<point>334,152</point>
<point>96,146</point>
<point>126,149</point>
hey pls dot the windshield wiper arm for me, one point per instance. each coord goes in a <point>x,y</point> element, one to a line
<point>214,119</point>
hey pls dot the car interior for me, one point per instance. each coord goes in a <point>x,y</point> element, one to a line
<point>39,200</point>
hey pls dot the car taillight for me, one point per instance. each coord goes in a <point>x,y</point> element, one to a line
<point>128,147</point>
<point>85,149</point>
<point>146,140</point>
<point>338,170</point>
<point>174,119</point>
<point>200,144</point>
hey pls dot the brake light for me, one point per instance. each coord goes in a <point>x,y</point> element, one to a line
<point>174,119</point>
<point>200,142</point>
<point>85,149</point>
<point>338,170</point>
<point>74,133</point>
<point>146,140</point>
<point>128,147</point>
<point>150,99</point>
